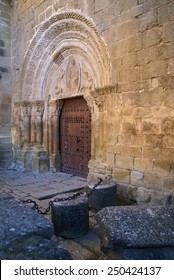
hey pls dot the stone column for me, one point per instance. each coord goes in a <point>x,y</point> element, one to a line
<point>16,126</point>
<point>27,123</point>
<point>40,160</point>
<point>33,128</point>
<point>55,107</point>
<point>39,110</point>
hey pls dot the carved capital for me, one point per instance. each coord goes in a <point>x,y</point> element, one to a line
<point>39,107</point>
<point>56,106</point>
<point>26,108</point>
<point>100,95</point>
<point>109,89</point>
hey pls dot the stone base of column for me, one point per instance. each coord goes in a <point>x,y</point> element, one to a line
<point>25,158</point>
<point>55,162</point>
<point>40,161</point>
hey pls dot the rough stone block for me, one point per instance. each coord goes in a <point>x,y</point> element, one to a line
<point>168,31</point>
<point>154,69</point>
<point>159,198</point>
<point>131,151</point>
<point>134,43</point>
<point>143,195</point>
<point>150,127</point>
<point>102,196</point>
<point>130,60</point>
<point>111,159</point>
<point>142,164</point>
<point>100,5</point>
<point>166,50</point>
<point>169,96</point>
<point>171,11</point>
<point>161,167</point>
<point>17,220</point>
<point>163,14</point>
<point>124,161</point>
<point>136,226</point>
<point>152,181</point>
<point>137,178</point>
<point>71,217</point>
<point>126,5</point>
<point>152,37</point>
<point>148,20</point>
<point>121,175</point>
<point>167,126</point>
<point>171,66</point>
<point>126,29</point>
<point>168,184</point>
<point>127,192</point>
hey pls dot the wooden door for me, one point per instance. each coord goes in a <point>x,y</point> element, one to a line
<point>75,134</point>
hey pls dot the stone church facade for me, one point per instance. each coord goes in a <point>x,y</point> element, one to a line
<point>92,90</point>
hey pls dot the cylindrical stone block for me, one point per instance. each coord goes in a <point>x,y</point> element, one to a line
<point>71,217</point>
<point>102,196</point>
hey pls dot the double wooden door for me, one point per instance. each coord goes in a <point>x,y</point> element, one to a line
<point>75,137</point>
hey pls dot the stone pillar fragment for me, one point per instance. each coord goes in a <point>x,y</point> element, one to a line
<point>71,217</point>
<point>55,106</point>
<point>16,127</point>
<point>101,196</point>
<point>27,123</point>
<point>39,110</point>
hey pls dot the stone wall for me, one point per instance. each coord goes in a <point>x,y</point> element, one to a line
<point>132,122</point>
<point>5,67</point>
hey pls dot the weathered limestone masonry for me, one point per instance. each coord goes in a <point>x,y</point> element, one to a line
<point>5,81</point>
<point>118,55</point>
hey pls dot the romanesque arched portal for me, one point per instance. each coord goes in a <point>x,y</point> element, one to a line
<point>66,58</point>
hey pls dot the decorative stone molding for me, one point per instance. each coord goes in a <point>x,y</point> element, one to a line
<point>104,90</point>
<point>56,106</point>
<point>64,35</point>
<point>17,126</point>
<point>39,107</point>
<point>100,95</point>
<point>26,108</point>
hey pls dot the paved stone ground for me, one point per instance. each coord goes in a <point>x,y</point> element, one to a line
<point>42,188</point>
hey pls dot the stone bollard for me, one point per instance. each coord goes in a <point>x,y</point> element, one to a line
<point>71,217</point>
<point>101,196</point>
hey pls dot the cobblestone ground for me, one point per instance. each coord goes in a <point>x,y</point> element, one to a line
<point>42,188</point>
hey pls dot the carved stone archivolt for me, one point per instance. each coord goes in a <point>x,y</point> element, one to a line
<point>67,46</point>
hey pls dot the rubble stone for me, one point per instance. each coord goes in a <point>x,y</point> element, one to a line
<point>18,220</point>
<point>136,226</point>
